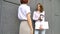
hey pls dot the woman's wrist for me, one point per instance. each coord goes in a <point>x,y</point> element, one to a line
<point>31,28</point>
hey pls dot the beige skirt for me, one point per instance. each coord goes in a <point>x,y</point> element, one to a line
<point>24,28</point>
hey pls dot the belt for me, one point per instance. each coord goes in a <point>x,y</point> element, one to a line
<point>23,20</point>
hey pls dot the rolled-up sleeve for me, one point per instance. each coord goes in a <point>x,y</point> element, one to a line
<point>34,16</point>
<point>19,12</point>
<point>28,10</point>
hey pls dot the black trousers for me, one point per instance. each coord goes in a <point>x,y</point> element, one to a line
<point>33,26</point>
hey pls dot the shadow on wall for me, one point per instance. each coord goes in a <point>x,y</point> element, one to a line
<point>11,2</point>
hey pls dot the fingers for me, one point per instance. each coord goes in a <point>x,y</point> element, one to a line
<point>31,31</point>
<point>41,27</point>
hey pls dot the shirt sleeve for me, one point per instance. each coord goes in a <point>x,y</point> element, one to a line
<point>28,10</point>
<point>19,12</point>
<point>34,16</point>
<point>44,13</point>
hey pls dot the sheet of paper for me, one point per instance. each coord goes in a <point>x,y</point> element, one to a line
<point>43,23</point>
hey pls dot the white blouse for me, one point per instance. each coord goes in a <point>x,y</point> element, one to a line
<point>22,11</point>
<point>37,14</point>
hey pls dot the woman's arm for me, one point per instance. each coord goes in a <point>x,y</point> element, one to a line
<point>43,20</point>
<point>30,22</point>
<point>35,17</point>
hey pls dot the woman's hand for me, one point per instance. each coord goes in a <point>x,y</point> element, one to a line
<point>41,27</point>
<point>31,31</point>
<point>40,19</point>
<point>30,23</point>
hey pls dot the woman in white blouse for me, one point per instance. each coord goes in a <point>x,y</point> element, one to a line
<point>39,15</point>
<point>24,15</point>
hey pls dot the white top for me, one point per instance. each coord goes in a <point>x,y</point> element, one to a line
<point>37,14</point>
<point>22,11</point>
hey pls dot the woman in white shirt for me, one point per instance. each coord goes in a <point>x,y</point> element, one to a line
<point>24,15</point>
<point>39,15</point>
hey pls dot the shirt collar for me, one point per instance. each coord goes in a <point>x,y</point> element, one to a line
<point>23,4</point>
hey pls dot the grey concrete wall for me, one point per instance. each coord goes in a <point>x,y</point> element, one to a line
<point>48,9</point>
<point>0,15</point>
<point>9,23</point>
<point>9,18</point>
<point>14,1</point>
<point>56,17</point>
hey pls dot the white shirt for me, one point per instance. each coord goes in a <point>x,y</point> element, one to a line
<point>44,23</point>
<point>37,14</point>
<point>22,11</point>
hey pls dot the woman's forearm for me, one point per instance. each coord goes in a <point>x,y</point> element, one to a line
<point>29,21</point>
